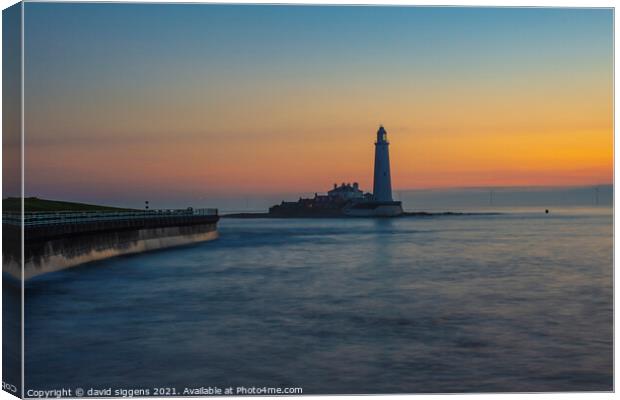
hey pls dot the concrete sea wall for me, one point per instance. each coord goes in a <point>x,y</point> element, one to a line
<point>60,252</point>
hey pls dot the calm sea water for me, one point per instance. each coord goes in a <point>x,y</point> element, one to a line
<point>514,302</point>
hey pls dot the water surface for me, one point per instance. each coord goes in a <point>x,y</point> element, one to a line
<point>514,302</point>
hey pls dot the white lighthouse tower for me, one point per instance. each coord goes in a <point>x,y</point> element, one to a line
<point>382,187</point>
<point>380,204</point>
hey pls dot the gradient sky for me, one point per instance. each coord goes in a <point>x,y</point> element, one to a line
<point>144,101</point>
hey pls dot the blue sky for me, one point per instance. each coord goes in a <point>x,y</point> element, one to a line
<point>155,87</point>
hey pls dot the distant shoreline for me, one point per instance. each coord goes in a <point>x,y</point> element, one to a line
<point>406,214</point>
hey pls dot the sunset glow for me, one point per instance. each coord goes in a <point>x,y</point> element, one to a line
<point>229,100</point>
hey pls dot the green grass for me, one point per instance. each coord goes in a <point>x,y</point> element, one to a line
<point>36,204</point>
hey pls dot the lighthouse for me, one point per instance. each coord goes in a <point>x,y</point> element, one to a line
<point>380,203</point>
<point>382,187</point>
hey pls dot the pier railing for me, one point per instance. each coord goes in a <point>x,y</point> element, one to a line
<point>44,218</point>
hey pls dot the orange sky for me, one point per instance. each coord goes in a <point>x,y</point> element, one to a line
<point>498,137</point>
<point>516,98</point>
